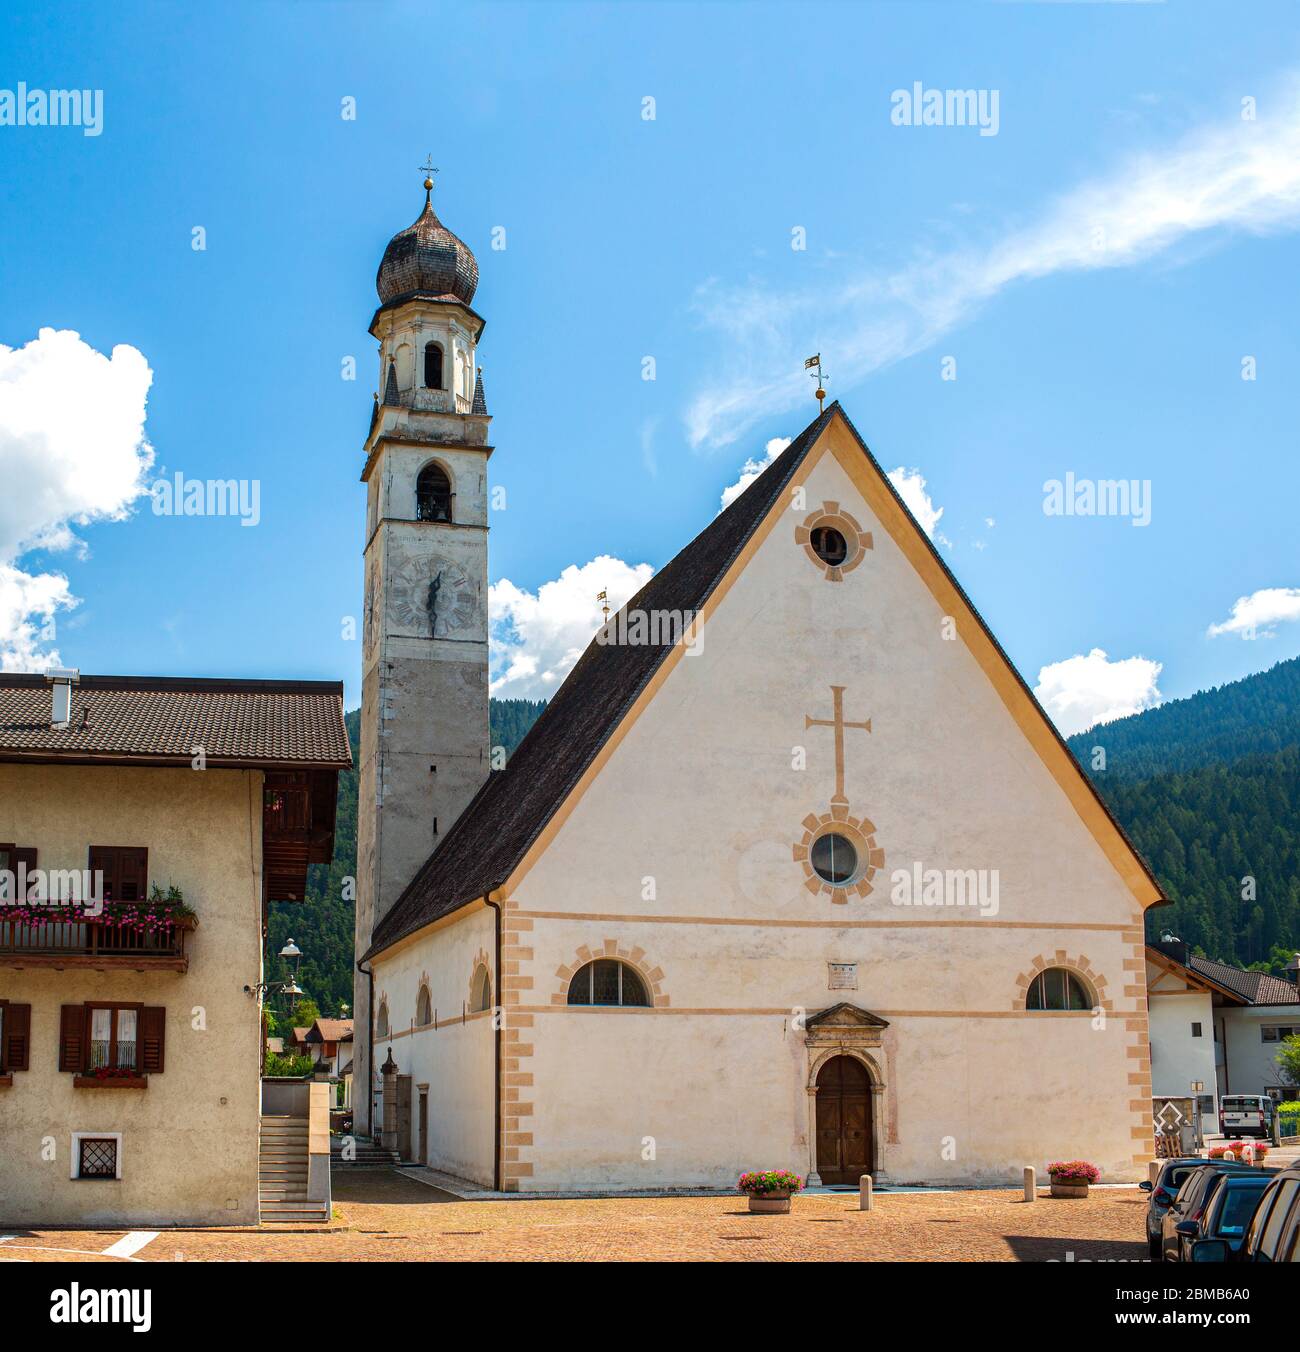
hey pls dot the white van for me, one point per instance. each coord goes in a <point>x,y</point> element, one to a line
<point>1246,1115</point>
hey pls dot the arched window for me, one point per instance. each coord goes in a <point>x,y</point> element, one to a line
<point>482,990</point>
<point>433,366</point>
<point>607,982</point>
<point>1057,988</point>
<point>423,1008</point>
<point>433,495</point>
<point>381,1022</point>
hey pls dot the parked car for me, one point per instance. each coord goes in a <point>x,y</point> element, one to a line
<point>1173,1174</point>
<point>1246,1115</point>
<point>1189,1202</point>
<point>1273,1233</point>
<point>1212,1204</point>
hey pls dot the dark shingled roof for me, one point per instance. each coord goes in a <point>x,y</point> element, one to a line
<point>160,720</point>
<point>1257,987</point>
<point>512,808</point>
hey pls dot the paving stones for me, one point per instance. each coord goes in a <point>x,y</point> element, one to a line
<point>408,1221</point>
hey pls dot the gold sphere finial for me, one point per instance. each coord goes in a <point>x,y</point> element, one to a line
<point>428,185</point>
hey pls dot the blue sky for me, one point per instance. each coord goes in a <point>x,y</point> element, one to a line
<point>670,238</point>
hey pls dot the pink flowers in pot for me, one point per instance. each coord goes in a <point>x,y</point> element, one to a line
<point>1073,1171</point>
<point>767,1182</point>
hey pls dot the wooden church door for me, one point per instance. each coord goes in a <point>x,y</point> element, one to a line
<point>843,1121</point>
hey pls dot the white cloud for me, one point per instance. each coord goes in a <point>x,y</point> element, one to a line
<point>72,451</point>
<point>538,636</point>
<point>910,484</point>
<point>1082,691</point>
<point>751,469</point>
<point>27,609</point>
<point>1233,174</point>
<point>1257,613</point>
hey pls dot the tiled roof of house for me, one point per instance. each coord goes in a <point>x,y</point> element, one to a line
<point>494,832</point>
<point>161,720</point>
<point>1258,987</point>
<point>330,1030</point>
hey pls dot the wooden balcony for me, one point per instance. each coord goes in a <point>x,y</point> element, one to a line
<point>100,945</point>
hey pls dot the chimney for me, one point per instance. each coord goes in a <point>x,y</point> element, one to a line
<point>1293,969</point>
<point>1173,947</point>
<point>61,679</point>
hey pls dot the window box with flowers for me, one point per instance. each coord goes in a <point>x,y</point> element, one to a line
<point>1070,1178</point>
<point>770,1190</point>
<point>110,1077</point>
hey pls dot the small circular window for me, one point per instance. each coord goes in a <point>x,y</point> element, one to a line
<point>829,546</point>
<point>834,859</point>
<point>833,540</point>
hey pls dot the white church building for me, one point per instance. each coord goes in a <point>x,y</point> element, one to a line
<point>792,872</point>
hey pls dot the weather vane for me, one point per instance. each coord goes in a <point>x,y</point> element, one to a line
<point>819,377</point>
<point>603,598</point>
<point>428,169</point>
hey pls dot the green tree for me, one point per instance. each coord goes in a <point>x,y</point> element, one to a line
<point>1288,1059</point>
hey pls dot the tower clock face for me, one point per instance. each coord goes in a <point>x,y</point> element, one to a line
<point>432,597</point>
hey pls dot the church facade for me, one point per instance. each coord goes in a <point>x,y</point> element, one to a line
<point>792,872</point>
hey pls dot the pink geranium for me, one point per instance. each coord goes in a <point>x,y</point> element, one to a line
<point>1074,1171</point>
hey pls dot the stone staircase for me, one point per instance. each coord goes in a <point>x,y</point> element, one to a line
<point>366,1154</point>
<point>282,1174</point>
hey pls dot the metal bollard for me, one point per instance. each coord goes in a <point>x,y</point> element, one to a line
<point>1031,1184</point>
<point>864,1193</point>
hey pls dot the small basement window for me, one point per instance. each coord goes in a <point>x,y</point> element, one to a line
<point>96,1155</point>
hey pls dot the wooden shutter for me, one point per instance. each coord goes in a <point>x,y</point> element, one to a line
<point>125,870</point>
<point>153,1036</point>
<point>17,1037</point>
<point>72,1038</point>
<point>104,860</point>
<point>133,874</point>
<point>28,857</point>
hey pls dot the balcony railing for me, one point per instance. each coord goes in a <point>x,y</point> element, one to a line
<point>91,943</point>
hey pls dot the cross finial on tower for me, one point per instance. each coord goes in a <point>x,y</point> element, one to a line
<point>429,170</point>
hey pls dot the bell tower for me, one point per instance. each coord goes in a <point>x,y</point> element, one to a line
<point>424,707</point>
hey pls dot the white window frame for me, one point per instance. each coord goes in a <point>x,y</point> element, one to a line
<point>77,1137</point>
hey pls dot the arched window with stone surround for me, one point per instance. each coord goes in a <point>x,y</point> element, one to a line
<point>433,366</point>
<point>381,1020</point>
<point>423,1008</point>
<point>481,986</point>
<point>433,494</point>
<point>607,982</point>
<point>1057,988</point>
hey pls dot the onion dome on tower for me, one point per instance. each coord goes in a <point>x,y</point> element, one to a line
<point>426,262</point>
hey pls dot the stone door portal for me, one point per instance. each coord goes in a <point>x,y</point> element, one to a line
<point>843,1121</point>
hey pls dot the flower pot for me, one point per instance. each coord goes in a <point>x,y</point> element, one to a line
<point>770,1203</point>
<point>1069,1188</point>
<point>110,1081</point>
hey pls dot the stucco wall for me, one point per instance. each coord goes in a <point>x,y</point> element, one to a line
<point>1251,1063</point>
<point>682,850</point>
<point>455,1059</point>
<point>1178,1058</point>
<point>190,1140</point>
